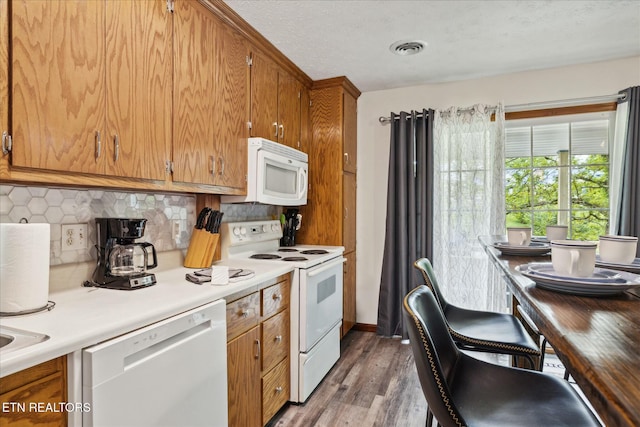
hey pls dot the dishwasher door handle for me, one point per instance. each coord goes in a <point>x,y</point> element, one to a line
<point>159,347</point>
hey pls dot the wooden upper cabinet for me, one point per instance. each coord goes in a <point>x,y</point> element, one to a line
<point>91,86</point>
<point>58,93</point>
<point>289,98</point>
<point>264,97</point>
<point>349,129</point>
<point>231,109</point>
<point>139,80</point>
<point>211,99</point>
<point>275,102</point>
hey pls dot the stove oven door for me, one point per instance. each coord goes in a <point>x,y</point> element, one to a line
<point>320,301</point>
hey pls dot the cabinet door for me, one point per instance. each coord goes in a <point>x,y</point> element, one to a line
<point>349,212</point>
<point>264,97</point>
<point>349,132</point>
<point>57,93</point>
<point>231,112</point>
<point>288,110</point>
<point>194,40</point>
<point>139,80</point>
<point>243,379</point>
<point>305,121</point>
<point>349,293</point>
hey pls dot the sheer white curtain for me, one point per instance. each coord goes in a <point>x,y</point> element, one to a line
<point>469,201</point>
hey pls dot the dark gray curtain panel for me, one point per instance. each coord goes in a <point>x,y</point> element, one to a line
<point>409,228</point>
<point>629,219</point>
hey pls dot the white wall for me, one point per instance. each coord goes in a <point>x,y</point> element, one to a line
<point>596,79</point>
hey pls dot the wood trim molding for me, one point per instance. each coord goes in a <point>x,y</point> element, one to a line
<point>562,111</point>
<point>365,327</point>
<point>257,40</point>
<point>337,81</point>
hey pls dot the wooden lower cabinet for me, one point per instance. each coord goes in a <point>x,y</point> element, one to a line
<point>33,397</point>
<point>243,371</point>
<point>258,373</point>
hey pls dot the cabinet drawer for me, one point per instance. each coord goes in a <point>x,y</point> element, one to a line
<point>242,315</point>
<point>275,298</point>
<point>275,390</point>
<point>275,339</point>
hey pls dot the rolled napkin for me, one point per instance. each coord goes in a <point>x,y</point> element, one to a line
<point>24,267</point>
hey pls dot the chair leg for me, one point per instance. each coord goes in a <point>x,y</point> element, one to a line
<point>429,418</point>
<point>543,349</point>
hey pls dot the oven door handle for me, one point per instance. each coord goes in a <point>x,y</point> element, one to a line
<point>326,267</point>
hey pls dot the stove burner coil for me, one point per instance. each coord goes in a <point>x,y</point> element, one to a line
<point>315,252</point>
<point>265,256</point>
<point>287,250</point>
<point>295,258</point>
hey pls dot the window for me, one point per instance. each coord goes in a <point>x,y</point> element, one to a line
<point>557,172</point>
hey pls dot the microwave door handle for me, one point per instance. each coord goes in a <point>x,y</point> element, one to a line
<point>302,182</point>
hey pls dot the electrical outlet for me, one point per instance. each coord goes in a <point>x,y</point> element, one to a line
<point>74,237</point>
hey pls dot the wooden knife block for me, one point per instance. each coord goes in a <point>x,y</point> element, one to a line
<point>202,249</point>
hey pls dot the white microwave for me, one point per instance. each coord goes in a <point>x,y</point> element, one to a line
<point>276,175</point>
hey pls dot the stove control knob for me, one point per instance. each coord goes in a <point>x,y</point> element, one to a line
<point>264,229</point>
<point>236,231</point>
<point>243,231</point>
<point>274,227</point>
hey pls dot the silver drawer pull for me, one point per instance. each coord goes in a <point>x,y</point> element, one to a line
<point>245,314</point>
<point>278,338</point>
<point>276,297</point>
<point>278,389</point>
<point>257,349</point>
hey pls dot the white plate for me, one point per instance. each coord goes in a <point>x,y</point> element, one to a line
<point>603,282</point>
<point>634,267</point>
<point>533,249</point>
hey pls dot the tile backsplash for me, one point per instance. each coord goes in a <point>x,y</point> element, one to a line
<point>171,217</point>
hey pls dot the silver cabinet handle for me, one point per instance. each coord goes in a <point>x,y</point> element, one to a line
<point>275,129</point>
<point>245,314</point>
<point>281,131</point>
<point>221,166</point>
<point>98,145</point>
<point>257,349</point>
<point>116,143</point>
<point>346,158</point>
<point>212,161</point>
<point>276,297</point>
<point>278,389</point>
<point>278,338</point>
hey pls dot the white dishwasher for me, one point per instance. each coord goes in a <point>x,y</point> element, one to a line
<point>171,373</point>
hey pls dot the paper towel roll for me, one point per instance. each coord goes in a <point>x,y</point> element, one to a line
<point>24,266</point>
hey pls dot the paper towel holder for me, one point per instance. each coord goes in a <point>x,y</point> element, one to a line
<point>47,307</point>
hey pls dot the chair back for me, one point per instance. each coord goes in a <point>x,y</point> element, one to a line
<point>434,352</point>
<point>424,265</point>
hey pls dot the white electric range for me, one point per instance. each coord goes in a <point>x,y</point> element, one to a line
<point>316,296</point>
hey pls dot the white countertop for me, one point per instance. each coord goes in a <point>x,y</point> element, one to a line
<point>86,316</point>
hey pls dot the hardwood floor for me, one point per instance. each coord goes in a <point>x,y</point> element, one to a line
<point>374,384</point>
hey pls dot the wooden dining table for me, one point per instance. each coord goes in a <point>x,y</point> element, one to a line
<point>596,338</point>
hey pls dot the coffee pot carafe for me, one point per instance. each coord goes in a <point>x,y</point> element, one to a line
<point>131,259</point>
<point>123,262</point>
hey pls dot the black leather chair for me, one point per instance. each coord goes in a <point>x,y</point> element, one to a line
<point>463,391</point>
<point>483,331</point>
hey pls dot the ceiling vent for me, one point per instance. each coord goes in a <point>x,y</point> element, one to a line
<point>407,47</point>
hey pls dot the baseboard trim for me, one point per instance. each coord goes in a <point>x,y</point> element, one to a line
<point>365,327</point>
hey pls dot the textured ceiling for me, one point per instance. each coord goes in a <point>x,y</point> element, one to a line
<point>466,39</point>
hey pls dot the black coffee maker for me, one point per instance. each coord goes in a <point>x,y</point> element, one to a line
<point>122,263</point>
